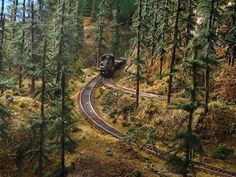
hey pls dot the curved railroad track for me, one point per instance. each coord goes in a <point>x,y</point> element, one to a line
<point>111,84</point>
<point>85,101</point>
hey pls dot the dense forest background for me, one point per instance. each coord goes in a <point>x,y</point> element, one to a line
<point>182,51</point>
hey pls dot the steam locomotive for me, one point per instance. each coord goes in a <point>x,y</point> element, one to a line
<point>109,64</point>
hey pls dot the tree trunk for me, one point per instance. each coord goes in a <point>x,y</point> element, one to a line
<point>100,35</point>
<point>2,33</point>
<point>61,43</point>
<point>32,90</point>
<point>163,39</point>
<point>63,109</point>
<point>161,64</point>
<point>173,52</point>
<point>188,26</point>
<point>234,23</point>
<point>70,7</point>
<point>191,113</point>
<point>138,68</point>
<point>42,122</point>
<point>207,70</point>
<point>14,14</point>
<point>233,56</point>
<point>117,30</point>
<point>154,40</point>
<point>22,46</point>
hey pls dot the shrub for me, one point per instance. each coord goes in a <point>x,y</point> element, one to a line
<point>136,173</point>
<point>109,99</point>
<point>182,94</point>
<point>127,108</point>
<point>150,110</point>
<point>175,164</point>
<point>113,113</point>
<point>22,105</point>
<point>218,123</point>
<point>221,152</point>
<point>225,84</point>
<point>126,124</point>
<point>157,122</point>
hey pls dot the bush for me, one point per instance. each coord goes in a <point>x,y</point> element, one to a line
<point>225,84</point>
<point>126,124</point>
<point>127,108</point>
<point>113,113</point>
<point>157,122</point>
<point>110,99</point>
<point>150,110</point>
<point>175,164</point>
<point>182,94</point>
<point>22,105</point>
<point>136,173</point>
<point>221,152</point>
<point>55,172</point>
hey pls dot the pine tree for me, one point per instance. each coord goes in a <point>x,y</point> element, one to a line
<point>193,64</point>
<point>2,24</point>
<point>154,29</point>
<point>188,141</point>
<point>94,11</point>
<point>4,112</point>
<point>147,21</point>
<point>32,28</point>
<point>138,57</point>
<point>61,41</point>
<point>163,18</point>
<point>87,8</point>
<point>79,30</point>
<point>42,112</point>
<point>208,12</point>
<point>230,36</point>
<point>100,37</point>
<point>12,34</point>
<point>174,48</point>
<point>190,23</point>
<point>115,26</point>
<point>22,48</point>
<point>63,109</point>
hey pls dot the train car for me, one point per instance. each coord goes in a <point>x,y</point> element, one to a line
<point>109,64</point>
<point>119,62</point>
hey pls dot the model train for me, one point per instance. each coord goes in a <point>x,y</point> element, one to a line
<point>109,64</point>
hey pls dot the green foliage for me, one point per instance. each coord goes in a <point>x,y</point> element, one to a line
<point>6,81</point>
<point>109,99</point>
<point>115,27</point>
<point>87,7</point>
<point>142,136</point>
<point>221,152</point>
<point>126,124</point>
<point>136,173</point>
<point>175,164</point>
<point>55,172</point>
<point>190,138</point>
<point>22,105</point>
<point>4,113</point>
<point>54,127</point>
<point>127,108</point>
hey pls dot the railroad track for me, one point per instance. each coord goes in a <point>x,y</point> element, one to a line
<point>111,84</point>
<point>85,101</point>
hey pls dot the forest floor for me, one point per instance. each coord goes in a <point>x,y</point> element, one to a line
<point>90,158</point>
<point>154,112</point>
